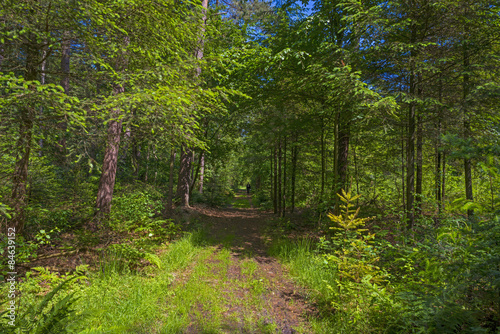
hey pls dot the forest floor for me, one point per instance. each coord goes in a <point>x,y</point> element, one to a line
<point>219,280</point>
<point>257,294</point>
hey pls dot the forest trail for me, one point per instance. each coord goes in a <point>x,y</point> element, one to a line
<point>256,295</point>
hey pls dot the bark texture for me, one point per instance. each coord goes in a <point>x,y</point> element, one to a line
<point>24,143</point>
<point>110,163</point>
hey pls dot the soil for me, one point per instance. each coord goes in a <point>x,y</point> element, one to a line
<point>245,232</point>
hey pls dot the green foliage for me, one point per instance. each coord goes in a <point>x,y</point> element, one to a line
<point>53,314</point>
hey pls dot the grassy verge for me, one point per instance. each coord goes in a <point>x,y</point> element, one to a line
<point>194,288</point>
<point>310,270</point>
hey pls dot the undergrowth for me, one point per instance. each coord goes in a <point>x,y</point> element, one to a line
<point>438,283</point>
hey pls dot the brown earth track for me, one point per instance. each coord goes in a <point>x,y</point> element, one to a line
<point>243,231</point>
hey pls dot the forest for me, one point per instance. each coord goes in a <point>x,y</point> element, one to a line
<point>249,166</point>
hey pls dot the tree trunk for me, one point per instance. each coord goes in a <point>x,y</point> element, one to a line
<point>202,170</point>
<point>280,173</point>
<point>275,197</point>
<point>110,163</point>
<point>196,173</point>
<point>24,142</point>
<point>467,132</point>
<point>136,153</point>
<point>323,162</point>
<point>403,185</point>
<point>343,153</point>
<point>418,186</point>
<point>295,152</point>
<point>184,177</point>
<point>65,70</point>
<point>183,187</point>
<point>355,156</point>
<point>410,146</point>
<point>443,182</point>
<point>437,186</point>
<point>284,179</point>
<point>271,176</point>
<point>147,165</point>
<point>171,181</point>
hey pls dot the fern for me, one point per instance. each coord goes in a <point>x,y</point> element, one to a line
<point>39,319</point>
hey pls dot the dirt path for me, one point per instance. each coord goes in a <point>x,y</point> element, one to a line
<point>280,306</point>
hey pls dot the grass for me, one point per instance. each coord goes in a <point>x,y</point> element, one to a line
<point>310,270</point>
<point>198,288</point>
<point>241,202</point>
<point>129,302</point>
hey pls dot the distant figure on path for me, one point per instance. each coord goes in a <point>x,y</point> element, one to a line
<point>248,188</point>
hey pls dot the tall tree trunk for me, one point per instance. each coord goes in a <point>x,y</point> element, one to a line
<point>343,152</point>
<point>65,71</point>
<point>110,163</point>
<point>437,185</point>
<point>184,177</point>
<point>443,182</point>
<point>336,145</point>
<point>284,179</point>
<point>355,156</point>
<point>202,170</point>
<point>183,188</point>
<point>280,173</point>
<point>42,81</point>
<point>467,130</point>
<point>271,174</point>
<point>323,160</point>
<point>403,184</point>
<point>196,173</point>
<point>410,146</point>
<point>147,164</point>
<point>171,180</point>
<point>23,145</point>
<point>295,152</point>
<point>410,166</point>
<point>136,153</point>
<point>418,186</point>
<point>275,198</point>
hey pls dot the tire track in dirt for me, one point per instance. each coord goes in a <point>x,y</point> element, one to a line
<point>242,231</point>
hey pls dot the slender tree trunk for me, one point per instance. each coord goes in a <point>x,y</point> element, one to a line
<point>42,81</point>
<point>355,156</point>
<point>295,152</point>
<point>403,185</point>
<point>410,146</point>
<point>202,170</point>
<point>147,165</point>
<point>171,181</point>
<point>336,149</point>
<point>275,197</point>
<point>65,70</point>
<point>196,173</point>
<point>23,145</point>
<point>272,192</point>
<point>110,163</point>
<point>443,182</point>
<point>467,131</point>
<point>343,153</point>
<point>283,211</point>
<point>437,186</point>
<point>184,177</point>
<point>410,166</point>
<point>418,186</point>
<point>136,153</point>
<point>280,174</point>
<point>183,187</point>
<point>323,160</point>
